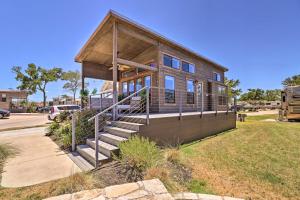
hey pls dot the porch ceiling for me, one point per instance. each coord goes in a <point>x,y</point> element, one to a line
<point>100,50</point>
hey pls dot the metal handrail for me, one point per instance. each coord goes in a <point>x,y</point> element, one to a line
<point>116,104</point>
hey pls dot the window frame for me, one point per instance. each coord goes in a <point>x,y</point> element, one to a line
<point>189,63</point>
<point>126,93</point>
<point>221,95</point>
<point>179,61</point>
<point>218,73</point>
<point>3,97</point>
<point>187,92</point>
<point>174,90</point>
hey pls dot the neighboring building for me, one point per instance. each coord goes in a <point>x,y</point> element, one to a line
<point>64,100</point>
<point>145,58</point>
<point>290,103</point>
<point>13,100</point>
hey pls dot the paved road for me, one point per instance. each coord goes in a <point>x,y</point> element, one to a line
<point>38,159</point>
<point>23,120</point>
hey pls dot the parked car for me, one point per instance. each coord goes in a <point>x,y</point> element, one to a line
<point>4,113</point>
<point>43,109</point>
<point>56,110</point>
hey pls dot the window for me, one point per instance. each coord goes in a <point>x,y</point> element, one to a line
<point>3,97</point>
<point>147,81</point>
<point>221,95</point>
<point>124,88</point>
<point>190,91</point>
<point>169,89</point>
<point>188,67</point>
<point>171,62</point>
<point>138,84</point>
<point>217,76</point>
<point>131,87</point>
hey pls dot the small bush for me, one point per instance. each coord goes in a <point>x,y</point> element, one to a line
<point>84,129</point>
<point>64,134</point>
<point>137,155</point>
<point>52,128</point>
<point>173,156</point>
<point>63,116</point>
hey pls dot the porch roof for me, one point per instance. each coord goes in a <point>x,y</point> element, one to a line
<point>133,39</point>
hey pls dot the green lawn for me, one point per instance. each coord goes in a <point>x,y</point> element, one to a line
<point>258,160</point>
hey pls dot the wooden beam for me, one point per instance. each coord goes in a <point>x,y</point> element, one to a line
<point>135,64</point>
<point>115,67</point>
<point>137,35</point>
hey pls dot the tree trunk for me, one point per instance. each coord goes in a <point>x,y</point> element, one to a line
<point>74,95</point>
<point>44,98</point>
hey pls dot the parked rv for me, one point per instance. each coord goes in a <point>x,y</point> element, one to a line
<point>290,103</point>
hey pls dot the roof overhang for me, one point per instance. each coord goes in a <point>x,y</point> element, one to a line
<point>147,38</point>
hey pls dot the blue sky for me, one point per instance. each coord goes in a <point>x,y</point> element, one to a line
<point>258,40</point>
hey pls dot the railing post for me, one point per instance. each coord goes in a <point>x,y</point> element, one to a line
<point>216,103</point>
<point>73,132</point>
<point>90,101</point>
<point>147,105</point>
<point>201,101</point>
<point>96,140</point>
<point>101,102</point>
<point>180,105</point>
<point>227,104</point>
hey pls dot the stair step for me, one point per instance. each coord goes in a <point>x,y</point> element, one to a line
<point>126,133</point>
<point>127,125</point>
<point>111,139</point>
<point>82,163</point>
<point>135,119</point>
<point>104,148</point>
<point>89,154</point>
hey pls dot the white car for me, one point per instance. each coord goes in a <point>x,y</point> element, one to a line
<point>56,110</point>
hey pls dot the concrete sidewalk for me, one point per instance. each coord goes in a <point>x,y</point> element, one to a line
<point>38,159</point>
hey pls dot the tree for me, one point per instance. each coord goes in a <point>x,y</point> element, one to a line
<point>233,90</point>
<point>273,95</point>
<point>291,81</point>
<point>73,83</point>
<point>94,91</point>
<point>36,78</point>
<point>253,95</point>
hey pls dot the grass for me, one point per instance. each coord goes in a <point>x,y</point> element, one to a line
<point>5,152</point>
<point>258,160</point>
<point>74,183</point>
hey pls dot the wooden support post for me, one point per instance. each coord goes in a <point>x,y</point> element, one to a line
<point>82,86</point>
<point>115,68</point>
<point>147,105</point>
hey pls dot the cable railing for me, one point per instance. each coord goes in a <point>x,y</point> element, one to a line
<point>139,103</point>
<point>102,100</point>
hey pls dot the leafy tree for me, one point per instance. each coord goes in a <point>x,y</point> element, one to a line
<point>73,83</point>
<point>94,91</point>
<point>84,94</point>
<point>253,95</point>
<point>233,90</point>
<point>36,78</point>
<point>273,95</point>
<point>291,81</point>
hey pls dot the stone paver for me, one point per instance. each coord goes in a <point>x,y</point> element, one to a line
<point>38,159</point>
<point>142,190</point>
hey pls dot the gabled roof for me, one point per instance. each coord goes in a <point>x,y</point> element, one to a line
<point>113,14</point>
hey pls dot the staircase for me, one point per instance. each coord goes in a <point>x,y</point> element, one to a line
<point>113,133</point>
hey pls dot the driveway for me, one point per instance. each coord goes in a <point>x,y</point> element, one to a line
<point>23,120</point>
<point>38,159</point>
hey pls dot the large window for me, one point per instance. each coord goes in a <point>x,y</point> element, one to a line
<point>138,84</point>
<point>188,67</point>
<point>131,87</point>
<point>190,91</point>
<point>124,88</point>
<point>3,97</point>
<point>169,89</point>
<point>171,62</point>
<point>217,76</point>
<point>221,95</point>
<point>147,81</point>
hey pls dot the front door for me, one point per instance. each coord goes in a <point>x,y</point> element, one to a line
<point>200,97</point>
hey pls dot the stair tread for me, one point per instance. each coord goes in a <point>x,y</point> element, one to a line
<point>129,123</point>
<point>104,144</point>
<point>80,161</point>
<point>91,152</point>
<point>120,129</point>
<point>113,137</point>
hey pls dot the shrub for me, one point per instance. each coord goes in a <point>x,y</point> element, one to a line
<point>163,174</point>
<point>52,128</point>
<point>84,129</point>
<point>64,134</point>
<point>173,156</point>
<point>137,155</point>
<point>63,116</point>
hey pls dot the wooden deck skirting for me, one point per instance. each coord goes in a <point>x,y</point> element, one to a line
<point>168,129</point>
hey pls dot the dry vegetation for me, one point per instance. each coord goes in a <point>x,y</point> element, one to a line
<point>258,160</point>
